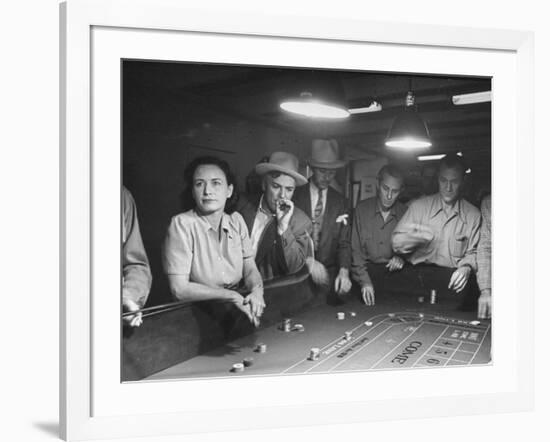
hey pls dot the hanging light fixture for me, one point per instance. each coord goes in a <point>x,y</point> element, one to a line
<point>308,106</point>
<point>316,94</point>
<point>408,130</point>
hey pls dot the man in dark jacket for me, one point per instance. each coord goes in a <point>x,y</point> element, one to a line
<point>328,210</point>
<point>280,233</point>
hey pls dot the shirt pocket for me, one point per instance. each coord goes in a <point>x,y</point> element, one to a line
<point>369,244</point>
<point>458,245</point>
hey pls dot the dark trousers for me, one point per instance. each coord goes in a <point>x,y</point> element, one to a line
<point>420,280</point>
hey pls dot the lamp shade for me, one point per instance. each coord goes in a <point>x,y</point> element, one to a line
<point>308,106</point>
<point>408,131</point>
<point>315,94</point>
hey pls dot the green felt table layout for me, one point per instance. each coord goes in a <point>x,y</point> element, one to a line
<point>394,334</point>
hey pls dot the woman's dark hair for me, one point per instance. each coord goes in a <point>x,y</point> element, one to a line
<point>187,200</point>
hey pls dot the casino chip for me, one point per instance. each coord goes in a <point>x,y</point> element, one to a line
<point>340,315</point>
<point>247,362</point>
<point>237,368</point>
<point>314,354</point>
<point>368,323</point>
<point>475,322</point>
<point>353,314</point>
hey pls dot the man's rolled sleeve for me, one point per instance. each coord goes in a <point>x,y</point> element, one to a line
<point>136,273</point>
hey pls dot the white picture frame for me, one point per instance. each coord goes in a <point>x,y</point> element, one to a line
<point>87,412</point>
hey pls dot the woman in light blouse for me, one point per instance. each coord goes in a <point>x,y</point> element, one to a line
<point>207,251</point>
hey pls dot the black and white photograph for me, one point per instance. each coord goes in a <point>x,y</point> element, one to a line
<point>283,221</point>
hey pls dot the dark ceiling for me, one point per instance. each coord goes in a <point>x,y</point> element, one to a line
<point>254,93</point>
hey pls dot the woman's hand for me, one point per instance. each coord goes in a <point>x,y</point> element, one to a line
<point>239,301</point>
<point>255,300</point>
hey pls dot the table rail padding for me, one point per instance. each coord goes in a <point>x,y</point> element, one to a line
<point>174,336</point>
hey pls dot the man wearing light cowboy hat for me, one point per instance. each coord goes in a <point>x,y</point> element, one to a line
<point>328,210</point>
<point>280,233</point>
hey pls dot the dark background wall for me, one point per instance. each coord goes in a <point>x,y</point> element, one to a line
<point>161,134</point>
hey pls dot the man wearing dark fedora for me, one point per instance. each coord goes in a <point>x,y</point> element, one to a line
<point>280,232</point>
<point>328,210</point>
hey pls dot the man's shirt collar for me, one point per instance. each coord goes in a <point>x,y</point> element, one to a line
<point>262,207</point>
<point>378,210</point>
<point>437,206</point>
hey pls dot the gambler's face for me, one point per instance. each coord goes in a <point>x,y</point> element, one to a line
<point>322,177</point>
<point>210,189</point>
<point>388,190</point>
<point>275,189</point>
<point>450,182</point>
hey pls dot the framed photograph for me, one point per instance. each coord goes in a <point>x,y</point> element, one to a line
<point>150,88</point>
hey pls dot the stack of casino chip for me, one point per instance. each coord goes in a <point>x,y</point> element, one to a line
<point>314,354</point>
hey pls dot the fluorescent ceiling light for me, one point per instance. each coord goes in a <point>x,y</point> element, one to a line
<point>476,97</point>
<point>374,107</point>
<point>408,143</point>
<point>314,109</point>
<point>434,157</point>
<point>430,157</point>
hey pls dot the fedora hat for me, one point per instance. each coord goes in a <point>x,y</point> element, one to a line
<point>325,154</point>
<point>283,162</point>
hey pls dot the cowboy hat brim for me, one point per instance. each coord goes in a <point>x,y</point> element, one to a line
<point>327,165</point>
<point>263,168</point>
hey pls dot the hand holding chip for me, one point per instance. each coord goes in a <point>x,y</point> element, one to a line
<point>255,300</point>
<point>239,301</point>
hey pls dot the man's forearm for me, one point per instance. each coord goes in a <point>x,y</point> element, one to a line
<point>295,248</point>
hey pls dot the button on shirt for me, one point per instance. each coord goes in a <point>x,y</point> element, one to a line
<point>456,235</point>
<point>194,249</point>
<point>371,236</point>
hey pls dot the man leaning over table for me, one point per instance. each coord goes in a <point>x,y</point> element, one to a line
<point>439,234</point>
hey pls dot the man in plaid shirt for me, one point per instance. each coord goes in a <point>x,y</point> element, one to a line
<point>484,260</point>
